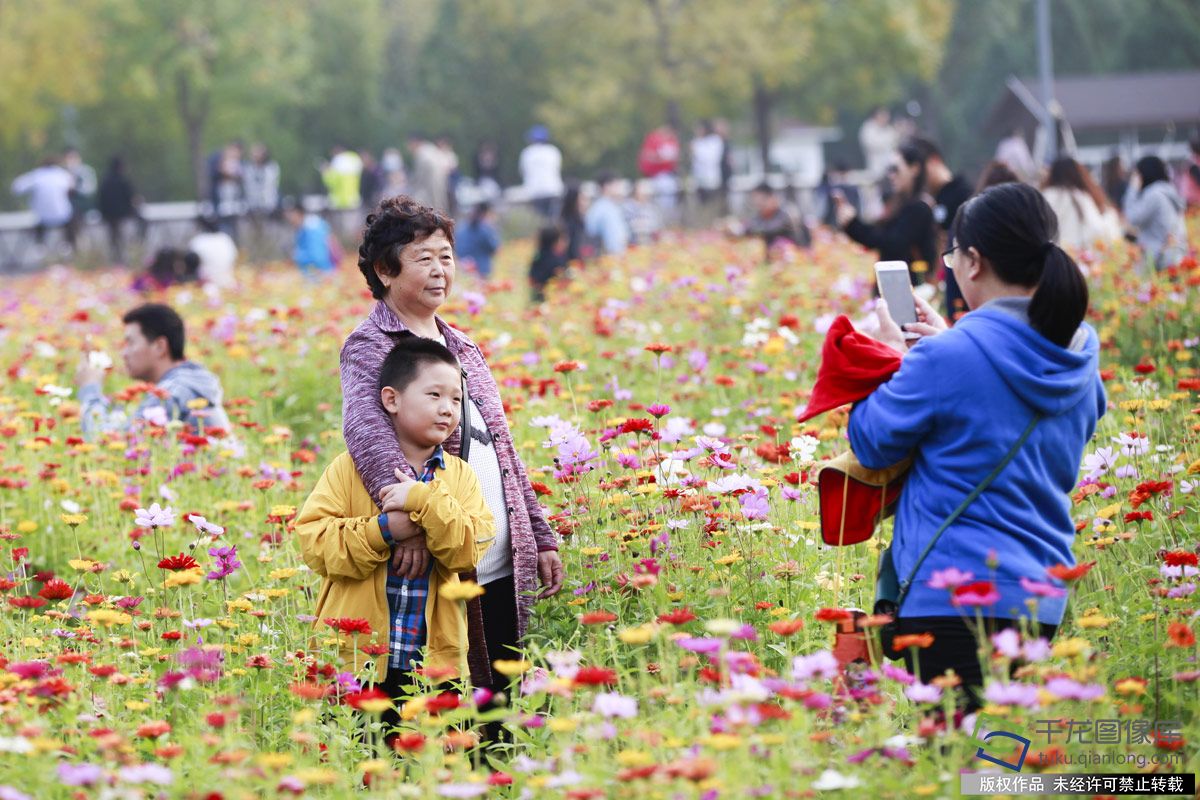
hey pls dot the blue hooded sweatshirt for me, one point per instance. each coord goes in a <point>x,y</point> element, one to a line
<point>958,404</point>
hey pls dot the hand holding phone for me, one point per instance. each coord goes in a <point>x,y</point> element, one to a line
<point>895,287</point>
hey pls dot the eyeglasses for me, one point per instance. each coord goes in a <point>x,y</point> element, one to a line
<point>948,257</point>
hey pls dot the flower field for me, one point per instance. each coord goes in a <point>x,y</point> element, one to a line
<point>156,629</point>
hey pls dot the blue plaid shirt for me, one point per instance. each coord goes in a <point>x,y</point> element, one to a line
<point>407,598</point>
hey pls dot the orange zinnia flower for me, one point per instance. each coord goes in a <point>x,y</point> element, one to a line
<point>918,640</point>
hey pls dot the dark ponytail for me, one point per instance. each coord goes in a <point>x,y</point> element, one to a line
<point>1061,299</point>
<point>1013,227</point>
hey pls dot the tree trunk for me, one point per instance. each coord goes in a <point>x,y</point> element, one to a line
<point>675,117</point>
<point>193,114</point>
<point>664,19</point>
<point>762,122</point>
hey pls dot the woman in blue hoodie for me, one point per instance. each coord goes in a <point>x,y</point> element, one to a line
<point>959,403</point>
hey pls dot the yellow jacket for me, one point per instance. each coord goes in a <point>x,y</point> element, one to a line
<point>341,541</point>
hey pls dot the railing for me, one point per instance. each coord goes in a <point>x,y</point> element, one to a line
<point>263,238</point>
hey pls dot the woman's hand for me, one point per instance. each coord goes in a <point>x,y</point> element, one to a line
<point>889,332</point>
<point>550,573</point>
<point>930,322</point>
<point>844,211</point>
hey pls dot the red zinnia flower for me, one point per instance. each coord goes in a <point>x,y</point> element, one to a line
<point>56,589</point>
<point>833,615</point>
<point>1068,574</point>
<point>638,425</point>
<point>597,617</point>
<point>657,348</point>
<point>1180,635</point>
<point>178,563</point>
<point>1139,516</point>
<point>27,602</point>
<point>786,627</point>
<point>595,676</point>
<point>677,616</point>
<point>446,701</point>
<point>350,626</point>
<point>1176,558</point>
<point>152,730</point>
<point>566,366</point>
<point>408,742</point>
<point>356,699</point>
<point>976,593</point>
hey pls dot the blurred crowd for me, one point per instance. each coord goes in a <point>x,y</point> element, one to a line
<point>901,203</point>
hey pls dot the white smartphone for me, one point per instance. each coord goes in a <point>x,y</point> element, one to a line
<point>895,286</point>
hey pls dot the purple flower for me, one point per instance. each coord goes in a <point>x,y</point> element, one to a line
<point>1007,643</point>
<point>227,562</point>
<point>1039,589</point>
<point>146,773</point>
<point>1012,694</point>
<point>818,701</point>
<point>204,526</point>
<point>949,578</point>
<point>821,664</point>
<point>698,360</point>
<point>754,504</point>
<point>923,693</point>
<point>462,789</point>
<point>612,704</point>
<point>79,774</point>
<point>658,410</point>
<point>898,674</point>
<point>629,460</point>
<point>1068,689</point>
<point>1036,650</point>
<point>1182,590</point>
<point>155,517</point>
<point>700,644</point>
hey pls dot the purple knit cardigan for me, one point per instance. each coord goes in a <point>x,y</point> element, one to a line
<point>372,443</point>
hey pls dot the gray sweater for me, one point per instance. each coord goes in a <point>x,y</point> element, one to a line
<point>1157,213</point>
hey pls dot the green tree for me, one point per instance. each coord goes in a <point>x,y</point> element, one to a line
<point>50,56</point>
<point>222,62</point>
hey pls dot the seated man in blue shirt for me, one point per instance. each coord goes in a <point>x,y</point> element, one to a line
<point>153,353</point>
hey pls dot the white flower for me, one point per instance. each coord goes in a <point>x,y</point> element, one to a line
<point>15,744</point>
<point>70,506</point>
<point>155,415</point>
<point>1186,487</point>
<point>1133,444</point>
<point>1099,462</point>
<point>98,359</point>
<point>803,448</point>
<point>612,704</point>
<point>832,780</point>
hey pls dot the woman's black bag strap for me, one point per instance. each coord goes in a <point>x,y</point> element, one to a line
<point>464,441</point>
<point>978,490</point>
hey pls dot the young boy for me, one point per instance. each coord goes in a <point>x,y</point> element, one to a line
<point>346,540</point>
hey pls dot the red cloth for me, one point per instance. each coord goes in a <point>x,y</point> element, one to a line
<point>852,366</point>
<point>659,152</point>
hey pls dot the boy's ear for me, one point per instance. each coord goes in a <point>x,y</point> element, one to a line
<point>390,399</point>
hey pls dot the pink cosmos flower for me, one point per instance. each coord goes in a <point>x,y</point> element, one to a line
<point>923,693</point>
<point>1039,589</point>
<point>612,704</point>
<point>949,578</point>
<point>155,517</point>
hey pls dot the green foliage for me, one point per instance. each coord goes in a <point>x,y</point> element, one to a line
<point>166,82</point>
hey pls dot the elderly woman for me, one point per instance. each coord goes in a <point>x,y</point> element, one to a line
<point>407,258</point>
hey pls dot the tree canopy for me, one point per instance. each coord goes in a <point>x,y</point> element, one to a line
<point>165,83</point>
